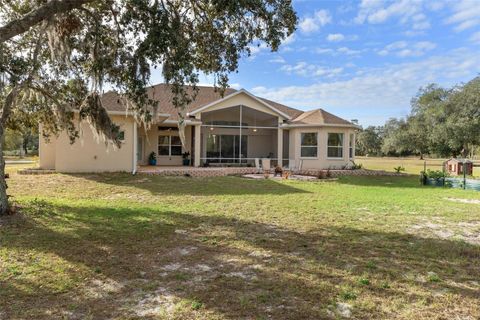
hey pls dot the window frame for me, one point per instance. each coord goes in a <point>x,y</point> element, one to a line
<point>351,146</point>
<point>315,147</point>
<point>169,145</point>
<point>341,147</point>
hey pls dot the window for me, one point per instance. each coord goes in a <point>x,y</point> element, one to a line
<point>308,144</point>
<point>335,145</point>
<point>351,144</point>
<point>169,146</point>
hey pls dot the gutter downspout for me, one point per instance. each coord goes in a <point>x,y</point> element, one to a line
<point>134,159</point>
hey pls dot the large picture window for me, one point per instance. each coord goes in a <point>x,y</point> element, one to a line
<point>308,145</point>
<point>335,145</point>
<point>169,146</point>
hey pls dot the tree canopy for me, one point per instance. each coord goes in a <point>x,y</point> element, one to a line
<point>57,56</point>
<point>443,121</point>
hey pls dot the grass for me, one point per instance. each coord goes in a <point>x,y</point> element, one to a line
<point>411,165</point>
<point>134,247</point>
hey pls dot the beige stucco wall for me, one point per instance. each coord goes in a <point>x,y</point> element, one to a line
<point>321,161</point>
<point>88,154</point>
<point>46,151</point>
<point>151,145</point>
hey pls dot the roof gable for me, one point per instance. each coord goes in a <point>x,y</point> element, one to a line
<point>319,117</point>
<point>262,102</point>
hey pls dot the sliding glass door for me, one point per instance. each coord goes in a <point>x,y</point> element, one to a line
<point>225,148</point>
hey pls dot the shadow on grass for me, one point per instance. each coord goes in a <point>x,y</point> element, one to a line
<point>126,262</point>
<point>229,185</point>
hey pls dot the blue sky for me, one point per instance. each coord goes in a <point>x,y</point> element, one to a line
<point>365,60</point>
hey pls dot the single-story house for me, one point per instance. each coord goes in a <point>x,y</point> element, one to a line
<point>233,130</point>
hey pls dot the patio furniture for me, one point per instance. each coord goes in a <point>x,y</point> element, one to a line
<point>257,165</point>
<point>266,164</point>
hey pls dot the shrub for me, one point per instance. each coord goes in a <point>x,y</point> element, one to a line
<point>399,169</point>
<point>356,166</point>
<point>196,305</point>
<point>321,174</point>
<point>434,174</point>
<point>348,295</point>
<point>328,174</point>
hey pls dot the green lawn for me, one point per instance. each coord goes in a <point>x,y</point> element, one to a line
<point>411,165</point>
<point>121,247</point>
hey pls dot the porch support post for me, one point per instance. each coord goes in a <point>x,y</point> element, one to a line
<point>280,143</point>
<point>198,142</point>
<point>135,147</point>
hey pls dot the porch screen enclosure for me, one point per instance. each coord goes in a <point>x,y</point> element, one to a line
<point>237,135</point>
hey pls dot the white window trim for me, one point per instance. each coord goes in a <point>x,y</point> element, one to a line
<point>169,146</point>
<point>300,151</point>
<point>351,145</point>
<point>342,147</point>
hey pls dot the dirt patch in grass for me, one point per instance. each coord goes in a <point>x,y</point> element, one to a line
<point>470,201</point>
<point>447,230</point>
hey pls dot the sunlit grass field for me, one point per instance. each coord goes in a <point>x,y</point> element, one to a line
<point>411,165</point>
<point>119,246</point>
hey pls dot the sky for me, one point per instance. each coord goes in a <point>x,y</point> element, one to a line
<point>366,59</point>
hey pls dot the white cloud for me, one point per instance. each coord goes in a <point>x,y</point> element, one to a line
<point>348,51</point>
<point>466,14</point>
<point>335,37</point>
<point>407,12</point>
<point>277,59</point>
<point>313,23</point>
<point>342,50</point>
<point>289,40</point>
<point>475,38</point>
<point>235,86</point>
<point>256,49</point>
<point>324,51</point>
<point>310,70</point>
<point>386,88</point>
<point>405,49</point>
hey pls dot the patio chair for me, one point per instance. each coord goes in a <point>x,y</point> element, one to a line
<point>266,164</point>
<point>257,165</point>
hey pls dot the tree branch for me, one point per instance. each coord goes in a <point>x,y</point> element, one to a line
<point>51,8</point>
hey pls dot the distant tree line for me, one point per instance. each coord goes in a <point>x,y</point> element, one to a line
<point>443,122</point>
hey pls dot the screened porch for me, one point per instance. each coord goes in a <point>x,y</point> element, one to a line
<point>238,135</point>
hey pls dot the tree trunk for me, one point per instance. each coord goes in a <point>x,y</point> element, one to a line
<point>6,110</point>
<point>3,183</point>
<point>25,141</point>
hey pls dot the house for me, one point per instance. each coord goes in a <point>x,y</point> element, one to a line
<point>233,130</point>
<point>454,166</point>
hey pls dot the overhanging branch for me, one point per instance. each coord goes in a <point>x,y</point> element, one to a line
<point>51,8</point>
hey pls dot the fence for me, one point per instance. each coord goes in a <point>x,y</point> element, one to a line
<point>443,180</point>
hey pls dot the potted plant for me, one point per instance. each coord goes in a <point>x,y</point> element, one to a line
<point>152,159</point>
<point>186,158</point>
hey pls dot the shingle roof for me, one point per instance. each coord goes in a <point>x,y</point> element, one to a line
<point>206,95</point>
<point>319,116</point>
<point>162,94</point>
